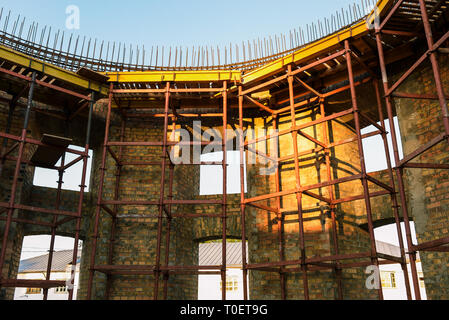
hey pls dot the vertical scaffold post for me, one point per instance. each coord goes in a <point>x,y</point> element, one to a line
<point>157,271</point>
<point>167,235</point>
<point>325,132</point>
<point>280,216</point>
<point>394,200</point>
<point>53,228</point>
<point>224,198</point>
<point>398,170</point>
<point>100,195</point>
<point>81,197</point>
<point>242,193</point>
<point>374,258</point>
<point>16,175</point>
<point>298,193</point>
<point>169,211</point>
<point>118,174</point>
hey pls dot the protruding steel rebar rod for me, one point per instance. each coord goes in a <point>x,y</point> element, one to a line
<point>127,59</point>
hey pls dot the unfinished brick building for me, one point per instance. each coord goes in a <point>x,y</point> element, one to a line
<point>307,217</point>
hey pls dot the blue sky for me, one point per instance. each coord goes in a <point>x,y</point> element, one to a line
<point>178,22</point>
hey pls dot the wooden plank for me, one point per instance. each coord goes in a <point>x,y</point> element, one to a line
<point>48,156</point>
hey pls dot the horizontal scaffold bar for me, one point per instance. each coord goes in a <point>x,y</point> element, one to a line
<point>27,283</point>
<point>174,76</point>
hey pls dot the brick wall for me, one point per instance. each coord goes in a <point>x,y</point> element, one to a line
<point>428,199</point>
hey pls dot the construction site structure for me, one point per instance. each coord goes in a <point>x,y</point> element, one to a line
<point>307,206</point>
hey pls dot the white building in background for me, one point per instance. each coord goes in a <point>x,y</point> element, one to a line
<point>36,269</point>
<point>392,276</point>
<point>209,286</point>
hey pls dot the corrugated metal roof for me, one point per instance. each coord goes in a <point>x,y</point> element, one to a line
<point>393,250</point>
<point>39,264</point>
<point>388,248</point>
<point>210,254</point>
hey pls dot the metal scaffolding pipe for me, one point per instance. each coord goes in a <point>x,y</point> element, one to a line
<point>302,246</point>
<point>16,177</point>
<point>364,179</point>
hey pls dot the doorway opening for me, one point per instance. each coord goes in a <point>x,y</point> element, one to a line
<point>33,266</point>
<point>210,286</point>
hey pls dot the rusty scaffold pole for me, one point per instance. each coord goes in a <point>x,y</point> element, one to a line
<point>81,197</point>
<point>118,174</point>
<point>100,196</point>
<point>169,209</point>
<point>157,271</point>
<point>225,190</point>
<point>366,192</point>
<point>327,156</point>
<point>299,194</point>
<point>279,215</point>
<point>10,209</point>
<point>55,220</point>
<point>393,197</point>
<point>242,193</point>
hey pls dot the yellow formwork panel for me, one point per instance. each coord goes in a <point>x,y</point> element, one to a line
<point>51,70</point>
<point>175,76</point>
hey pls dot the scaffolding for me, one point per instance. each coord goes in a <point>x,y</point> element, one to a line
<point>392,25</point>
<point>165,202</point>
<point>49,150</point>
<point>334,261</point>
<point>337,55</point>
